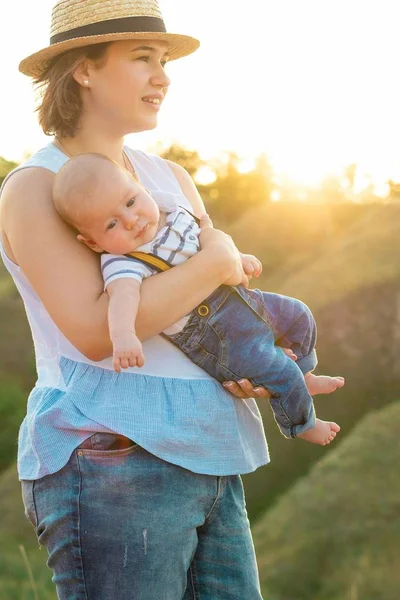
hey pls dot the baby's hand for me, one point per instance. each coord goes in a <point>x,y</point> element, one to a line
<point>251,265</point>
<point>127,351</point>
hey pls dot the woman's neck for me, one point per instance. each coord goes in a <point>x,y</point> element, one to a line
<point>84,141</point>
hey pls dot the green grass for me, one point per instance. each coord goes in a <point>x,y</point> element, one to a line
<point>335,534</point>
<point>16,531</point>
<point>12,412</point>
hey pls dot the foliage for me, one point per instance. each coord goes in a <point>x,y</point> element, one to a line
<point>16,531</point>
<point>335,534</point>
<point>16,348</point>
<point>188,159</point>
<point>12,411</point>
<point>232,193</point>
<point>5,167</point>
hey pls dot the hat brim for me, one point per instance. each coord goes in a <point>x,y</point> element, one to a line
<point>36,64</point>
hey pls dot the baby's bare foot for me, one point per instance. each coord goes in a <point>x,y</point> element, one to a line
<point>322,384</point>
<point>323,433</point>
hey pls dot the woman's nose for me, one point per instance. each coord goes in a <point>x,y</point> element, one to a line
<point>161,79</point>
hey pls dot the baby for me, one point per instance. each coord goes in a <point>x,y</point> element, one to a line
<point>235,333</point>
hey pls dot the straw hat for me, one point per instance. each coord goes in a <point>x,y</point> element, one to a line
<point>77,23</point>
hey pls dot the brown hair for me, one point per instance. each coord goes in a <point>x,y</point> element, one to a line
<point>61,104</point>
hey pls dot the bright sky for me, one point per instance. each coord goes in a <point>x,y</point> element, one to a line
<point>313,83</point>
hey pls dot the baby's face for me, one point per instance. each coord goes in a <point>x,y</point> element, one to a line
<point>121,217</point>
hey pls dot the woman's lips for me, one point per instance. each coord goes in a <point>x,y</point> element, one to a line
<point>152,105</point>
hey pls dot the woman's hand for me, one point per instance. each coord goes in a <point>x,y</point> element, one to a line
<point>220,242</point>
<point>244,389</point>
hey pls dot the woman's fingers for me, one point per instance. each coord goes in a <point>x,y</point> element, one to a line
<point>235,389</point>
<point>205,222</point>
<point>244,389</point>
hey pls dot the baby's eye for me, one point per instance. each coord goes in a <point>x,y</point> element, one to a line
<point>130,202</point>
<point>111,225</point>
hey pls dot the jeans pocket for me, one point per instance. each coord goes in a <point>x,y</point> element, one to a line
<point>107,442</point>
<point>28,499</point>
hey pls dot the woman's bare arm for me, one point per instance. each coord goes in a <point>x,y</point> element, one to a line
<point>66,275</point>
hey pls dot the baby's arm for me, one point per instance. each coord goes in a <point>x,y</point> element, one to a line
<point>124,301</point>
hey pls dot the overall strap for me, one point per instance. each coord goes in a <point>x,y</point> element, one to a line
<point>151,260</point>
<point>191,214</point>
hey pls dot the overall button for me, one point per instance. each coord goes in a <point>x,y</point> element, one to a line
<point>203,310</point>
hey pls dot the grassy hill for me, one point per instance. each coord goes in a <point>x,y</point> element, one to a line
<point>341,260</point>
<point>335,534</point>
<point>349,274</point>
<point>16,531</point>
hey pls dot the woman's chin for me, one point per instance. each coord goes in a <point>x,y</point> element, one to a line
<point>144,125</point>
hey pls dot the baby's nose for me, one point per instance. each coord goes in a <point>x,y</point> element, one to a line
<point>130,222</point>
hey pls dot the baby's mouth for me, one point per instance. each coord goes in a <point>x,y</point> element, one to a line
<point>142,231</point>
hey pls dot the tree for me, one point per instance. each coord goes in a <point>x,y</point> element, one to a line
<point>234,193</point>
<point>188,159</point>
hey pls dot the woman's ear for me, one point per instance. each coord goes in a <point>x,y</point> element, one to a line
<point>81,74</point>
<point>89,243</point>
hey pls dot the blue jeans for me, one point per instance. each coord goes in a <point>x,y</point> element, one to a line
<point>238,333</point>
<point>121,524</point>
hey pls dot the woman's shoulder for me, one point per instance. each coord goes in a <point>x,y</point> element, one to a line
<point>36,172</point>
<point>26,185</point>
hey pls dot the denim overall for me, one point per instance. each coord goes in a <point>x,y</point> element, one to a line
<point>238,333</point>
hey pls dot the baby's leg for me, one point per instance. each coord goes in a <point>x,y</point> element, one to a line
<point>318,384</point>
<point>294,327</point>
<point>296,331</point>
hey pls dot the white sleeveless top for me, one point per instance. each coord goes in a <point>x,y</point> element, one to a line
<point>168,406</point>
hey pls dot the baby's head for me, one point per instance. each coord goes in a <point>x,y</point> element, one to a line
<point>109,208</point>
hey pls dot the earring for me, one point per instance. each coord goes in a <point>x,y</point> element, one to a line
<point>86,82</point>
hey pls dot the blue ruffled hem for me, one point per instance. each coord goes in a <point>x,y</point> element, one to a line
<point>192,423</point>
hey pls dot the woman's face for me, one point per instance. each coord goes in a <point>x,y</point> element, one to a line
<point>127,92</point>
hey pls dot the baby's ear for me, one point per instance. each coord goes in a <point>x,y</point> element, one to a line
<point>89,243</point>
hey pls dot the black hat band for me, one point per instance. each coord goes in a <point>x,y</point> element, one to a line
<point>124,25</point>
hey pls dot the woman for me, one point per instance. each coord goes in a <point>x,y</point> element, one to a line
<point>130,480</point>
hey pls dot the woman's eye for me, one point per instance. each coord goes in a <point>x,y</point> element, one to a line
<point>111,225</point>
<point>130,202</point>
<point>147,58</point>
